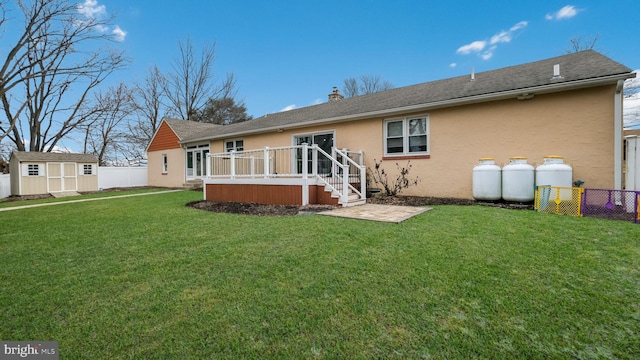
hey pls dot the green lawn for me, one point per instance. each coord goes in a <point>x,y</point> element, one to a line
<point>5,203</point>
<point>147,277</point>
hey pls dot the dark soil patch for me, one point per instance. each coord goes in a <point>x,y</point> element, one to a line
<point>257,209</point>
<point>283,210</point>
<point>13,198</point>
<point>426,201</point>
<point>418,201</point>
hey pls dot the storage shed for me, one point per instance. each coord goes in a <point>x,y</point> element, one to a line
<point>34,173</point>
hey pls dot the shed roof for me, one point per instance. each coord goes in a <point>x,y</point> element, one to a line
<point>581,69</point>
<point>185,128</point>
<point>53,157</point>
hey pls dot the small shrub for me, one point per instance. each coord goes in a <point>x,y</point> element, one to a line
<point>396,185</point>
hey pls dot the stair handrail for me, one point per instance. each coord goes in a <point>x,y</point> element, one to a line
<point>363,173</point>
<point>344,192</point>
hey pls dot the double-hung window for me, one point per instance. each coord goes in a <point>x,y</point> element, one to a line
<point>407,136</point>
<point>235,145</point>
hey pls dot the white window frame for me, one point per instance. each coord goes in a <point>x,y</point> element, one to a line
<point>405,136</point>
<point>82,169</point>
<point>235,146</point>
<point>30,171</point>
<point>165,164</point>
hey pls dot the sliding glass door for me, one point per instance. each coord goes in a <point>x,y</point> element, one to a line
<point>324,141</point>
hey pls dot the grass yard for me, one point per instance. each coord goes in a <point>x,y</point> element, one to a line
<point>6,203</point>
<point>147,277</point>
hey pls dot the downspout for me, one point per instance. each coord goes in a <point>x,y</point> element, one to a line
<point>184,168</point>
<point>617,136</point>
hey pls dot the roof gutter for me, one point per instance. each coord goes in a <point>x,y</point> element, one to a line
<point>542,89</point>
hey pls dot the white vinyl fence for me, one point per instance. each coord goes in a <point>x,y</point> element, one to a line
<point>5,185</point>
<point>633,163</point>
<point>110,177</point>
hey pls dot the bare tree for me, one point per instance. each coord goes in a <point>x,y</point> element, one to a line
<point>50,71</point>
<point>149,101</point>
<point>365,84</point>
<point>105,134</point>
<point>192,81</point>
<point>579,44</point>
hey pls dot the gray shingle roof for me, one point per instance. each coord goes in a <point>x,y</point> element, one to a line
<point>184,128</point>
<point>576,69</point>
<point>53,157</point>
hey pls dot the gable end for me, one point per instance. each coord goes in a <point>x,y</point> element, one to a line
<point>164,139</point>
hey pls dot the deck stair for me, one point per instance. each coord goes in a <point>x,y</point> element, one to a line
<point>353,199</point>
<point>193,184</point>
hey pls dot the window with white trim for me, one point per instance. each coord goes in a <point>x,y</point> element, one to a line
<point>165,164</point>
<point>87,169</point>
<point>407,136</point>
<point>236,145</point>
<point>33,169</point>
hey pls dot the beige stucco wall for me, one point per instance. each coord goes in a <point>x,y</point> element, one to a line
<point>578,125</point>
<point>175,176</point>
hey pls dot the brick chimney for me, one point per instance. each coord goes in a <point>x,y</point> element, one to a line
<point>335,95</point>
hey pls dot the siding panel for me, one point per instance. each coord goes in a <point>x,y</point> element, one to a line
<point>260,194</point>
<point>165,139</point>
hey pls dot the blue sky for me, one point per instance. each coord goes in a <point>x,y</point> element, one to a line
<point>288,54</point>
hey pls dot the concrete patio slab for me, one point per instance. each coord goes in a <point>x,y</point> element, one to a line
<point>377,212</point>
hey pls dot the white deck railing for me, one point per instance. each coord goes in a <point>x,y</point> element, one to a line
<point>342,171</point>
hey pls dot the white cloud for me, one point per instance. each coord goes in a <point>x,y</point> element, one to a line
<point>101,28</point>
<point>94,13</point>
<point>502,36</point>
<point>488,54</point>
<point>288,107</point>
<point>452,65</point>
<point>518,26</point>
<point>317,101</point>
<point>566,12</point>
<point>506,36</point>
<point>478,47</point>
<point>473,47</point>
<point>90,9</point>
<point>119,34</point>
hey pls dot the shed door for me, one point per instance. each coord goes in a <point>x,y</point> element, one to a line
<point>62,177</point>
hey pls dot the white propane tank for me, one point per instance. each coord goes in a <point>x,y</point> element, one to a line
<point>518,180</point>
<point>487,180</point>
<point>554,172</point>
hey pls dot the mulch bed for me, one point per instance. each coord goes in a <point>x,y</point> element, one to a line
<point>257,209</point>
<point>283,210</point>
